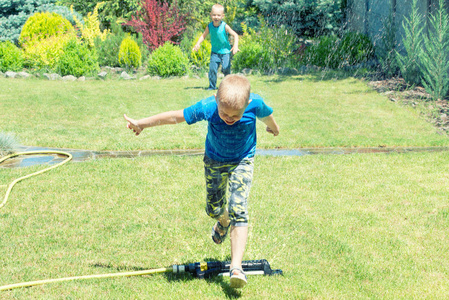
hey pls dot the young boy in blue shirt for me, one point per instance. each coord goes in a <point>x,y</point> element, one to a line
<point>228,159</point>
<point>221,48</point>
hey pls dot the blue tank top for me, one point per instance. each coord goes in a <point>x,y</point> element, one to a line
<point>219,38</point>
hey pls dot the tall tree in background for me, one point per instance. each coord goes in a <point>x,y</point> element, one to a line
<point>158,23</point>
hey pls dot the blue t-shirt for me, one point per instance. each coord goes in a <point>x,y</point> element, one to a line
<point>219,38</point>
<point>228,143</point>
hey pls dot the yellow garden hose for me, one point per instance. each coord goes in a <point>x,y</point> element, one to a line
<point>111,275</point>
<point>11,185</point>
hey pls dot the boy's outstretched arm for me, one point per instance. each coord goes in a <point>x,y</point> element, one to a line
<point>169,117</point>
<point>272,126</point>
<point>201,39</point>
<point>235,47</point>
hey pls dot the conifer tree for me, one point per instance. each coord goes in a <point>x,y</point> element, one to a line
<point>413,42</point>
<point>435,59</point>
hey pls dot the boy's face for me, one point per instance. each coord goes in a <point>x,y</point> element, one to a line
<point>230,115</point>
<point>216,15</point>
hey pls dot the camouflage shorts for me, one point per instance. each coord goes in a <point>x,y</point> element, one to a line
<point>228,183</point>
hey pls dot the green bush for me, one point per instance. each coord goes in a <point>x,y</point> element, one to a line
<point>332,52</point>
<point>129,54</point>
<point>168,60</point>
<point>200,58</point>
<point>355,48</point>
<point>266,50</point>
<point>43,37</point>
<point>323,52</point>
<point>11,58</point>
<point>78,59</point>
<point>41,26</point>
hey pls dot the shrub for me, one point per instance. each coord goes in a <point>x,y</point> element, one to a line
<point>323,52</point>
<point>129,54</point>
<point>11,58</point>
<point>43,36</point>
<point>14,14</point>
<point>41,26</point>
<point>434,60</point>
<point>200,58</point>
<point>355,48</point>
<point>90,29</point>
<point>168,60</point>
<point>158,23</point>
<point>412,40</point>
<point>109,48</point>
<point>332,52</point>
<point>266,50</point>
<point>78,59</point>
<point>8,143</point>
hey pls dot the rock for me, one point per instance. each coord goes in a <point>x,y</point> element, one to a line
<point>69,78</point>
<point>52,76</point>
<point>103,75</point>
<point>146,77</point>
<point>82,78</point>
<point>10,74</point>
<point>125,76</point>
<point>23,75</point>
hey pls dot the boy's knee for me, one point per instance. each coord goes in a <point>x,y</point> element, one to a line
<point>214,212</point>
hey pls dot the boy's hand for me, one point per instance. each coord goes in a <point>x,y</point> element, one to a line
<point>234,50</point>
<point>272,126</point>
<point>132,124</point>
<point>275,132</point>
<point>196,48</point>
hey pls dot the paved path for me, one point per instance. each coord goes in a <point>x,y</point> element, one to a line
<point>83,155</point>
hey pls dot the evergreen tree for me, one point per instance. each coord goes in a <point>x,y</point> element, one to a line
<point>435,60</point>
<point>14,14</point>
<point>413,42</point>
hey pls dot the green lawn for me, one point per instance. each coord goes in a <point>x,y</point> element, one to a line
<point>359,226</point>
<point>339,226</point>
<point>310,112</point>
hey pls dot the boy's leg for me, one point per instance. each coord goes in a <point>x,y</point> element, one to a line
<point>213,70</point>
<point>239,187</point>
<point>216,184</point>
<point>226,64</point>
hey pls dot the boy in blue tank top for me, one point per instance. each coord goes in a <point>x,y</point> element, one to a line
<point>221,48</point>
<point>229,157</point>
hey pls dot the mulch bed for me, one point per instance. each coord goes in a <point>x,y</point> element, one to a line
<point>435,112</point>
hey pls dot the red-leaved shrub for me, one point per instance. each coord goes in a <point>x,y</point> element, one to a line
<point>158,22</point>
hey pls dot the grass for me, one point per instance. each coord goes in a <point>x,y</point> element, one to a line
<point>347,226</point>
<point>311,113</point>
<point>339,226</point>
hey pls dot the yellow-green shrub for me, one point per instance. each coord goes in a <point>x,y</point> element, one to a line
<point>200,58</point>
<point>129,54</point>
<point>90,30</point>
<point>41,26</point>
<point>43,37</point>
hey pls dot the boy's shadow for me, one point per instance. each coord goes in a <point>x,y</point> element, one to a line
<point>213,279</point>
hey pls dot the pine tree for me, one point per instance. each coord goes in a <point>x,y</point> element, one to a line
<point>435,60</point>
<point>413,42</point>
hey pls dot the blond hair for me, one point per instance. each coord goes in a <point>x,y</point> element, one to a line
<point>218,7</point>
<point>234,91</point>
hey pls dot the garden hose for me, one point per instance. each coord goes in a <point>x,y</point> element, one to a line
<point>197,269</point>
<point>11,185</point>
<point>111,275</point>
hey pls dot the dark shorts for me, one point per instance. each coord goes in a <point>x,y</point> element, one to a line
<point>228,184</point>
